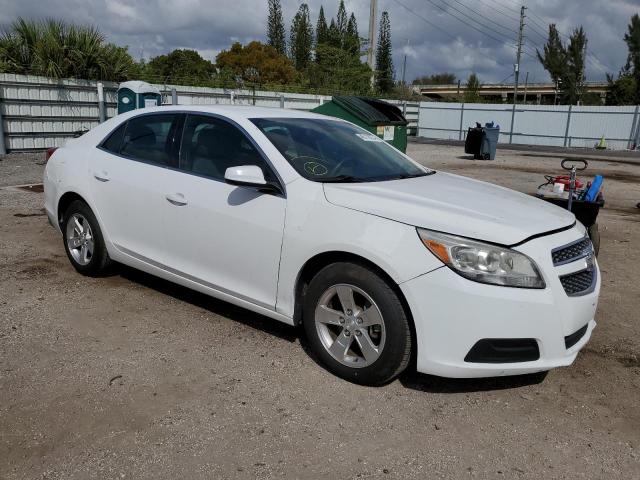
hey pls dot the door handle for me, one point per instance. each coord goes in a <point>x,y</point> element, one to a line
<point>176,199</point>
<point>101,176</point>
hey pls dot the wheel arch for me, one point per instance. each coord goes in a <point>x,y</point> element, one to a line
<point>321,260</point>
<point>65,200</point>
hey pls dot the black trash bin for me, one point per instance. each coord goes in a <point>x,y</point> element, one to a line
<point>482,142</point>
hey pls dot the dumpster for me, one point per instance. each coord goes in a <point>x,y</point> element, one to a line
<point>377,116</point>
<point>135,94</point>
<point>482,142</point>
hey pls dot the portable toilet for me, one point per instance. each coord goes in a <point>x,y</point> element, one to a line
<point>377,116</point>
<point>136,94</point>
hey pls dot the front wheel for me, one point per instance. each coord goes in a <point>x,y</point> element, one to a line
<point>356,324</point>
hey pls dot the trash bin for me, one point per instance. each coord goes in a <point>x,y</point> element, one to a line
<point>377,116</point>
<point>482,142</point>
<point>135,94</point>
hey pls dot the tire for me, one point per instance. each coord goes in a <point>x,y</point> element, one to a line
<point>356,324</point>
<point>594,235</point>
<point>83,240</point>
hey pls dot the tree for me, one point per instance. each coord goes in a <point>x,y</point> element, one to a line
<point>436,79</point>
<point>472,89</point>
<point>621,91</point>
<point>180,66</point>
<point>553,57</point>
<point>342,22</point>
<point>336,69</point>
<point>566,64</point>
<point>632,39</point>
<point>256,63</point>
<point>573,75</point>
<point>275,28</point>
<point>334,35</point>
<point>322,30</point>
<point>301,38</point>
<point>58,49</point>
<point>384,60</point>
<point>352,39</point>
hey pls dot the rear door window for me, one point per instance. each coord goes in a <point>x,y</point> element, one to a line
<point>114,142</point>
<point>149,138</point>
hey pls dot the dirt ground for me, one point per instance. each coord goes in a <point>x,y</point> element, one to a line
<point>133,377</point>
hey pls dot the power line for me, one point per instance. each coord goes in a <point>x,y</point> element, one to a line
<point>485,17</point>
<point>471,25</point>
<point>470,18</point>
<point>413,12</point>
<point>512,16</point>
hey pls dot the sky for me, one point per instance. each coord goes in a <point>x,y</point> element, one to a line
<point>426,31</point>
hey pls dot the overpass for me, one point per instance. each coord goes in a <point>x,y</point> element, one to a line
<point>536,93</point>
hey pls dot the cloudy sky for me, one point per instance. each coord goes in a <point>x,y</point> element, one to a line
<point>426,31</point>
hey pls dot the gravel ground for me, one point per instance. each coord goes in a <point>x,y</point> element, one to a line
<point>133,377</point>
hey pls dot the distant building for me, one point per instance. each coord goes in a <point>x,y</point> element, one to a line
<point>536,93</point>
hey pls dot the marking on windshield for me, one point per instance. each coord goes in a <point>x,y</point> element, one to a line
<point>315,168</point>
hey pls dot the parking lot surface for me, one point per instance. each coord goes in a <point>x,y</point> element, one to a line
<point>130,376</point>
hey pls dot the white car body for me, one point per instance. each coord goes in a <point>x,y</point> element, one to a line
<point>249,249</point>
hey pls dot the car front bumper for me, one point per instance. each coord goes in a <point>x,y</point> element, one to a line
<point>451,314</point>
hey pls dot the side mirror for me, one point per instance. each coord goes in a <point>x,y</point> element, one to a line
<point>249,176</point>
<point>245,175</point>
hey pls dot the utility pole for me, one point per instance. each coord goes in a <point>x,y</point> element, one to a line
<point>373,7</point>
<point>516,68</point>
<point>404,70</point>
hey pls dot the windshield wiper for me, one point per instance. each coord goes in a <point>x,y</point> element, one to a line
<point>414,175</point>
<point>342,179</point>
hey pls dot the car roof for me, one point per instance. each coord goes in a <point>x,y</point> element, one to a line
<point>235,111</point>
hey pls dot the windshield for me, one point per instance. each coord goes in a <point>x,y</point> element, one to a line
<point>334,151</point>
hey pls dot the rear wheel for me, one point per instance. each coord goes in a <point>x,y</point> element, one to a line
<point>356,324</point>
<point>83,240</point>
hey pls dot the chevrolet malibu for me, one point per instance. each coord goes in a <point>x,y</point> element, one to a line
<point>314,221</point>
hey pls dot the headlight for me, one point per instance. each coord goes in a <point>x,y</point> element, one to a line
<point>483,262</point>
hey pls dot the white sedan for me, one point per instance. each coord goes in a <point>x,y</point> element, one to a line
<point>312,220</point>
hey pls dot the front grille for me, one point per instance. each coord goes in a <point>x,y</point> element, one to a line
<point>571,340</point>
<point>572,252</point>
<point>579,283</point>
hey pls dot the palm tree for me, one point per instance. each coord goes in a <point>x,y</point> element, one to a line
<point>57,49</point>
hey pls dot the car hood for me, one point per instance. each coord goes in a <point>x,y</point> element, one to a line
<point>454,204</point>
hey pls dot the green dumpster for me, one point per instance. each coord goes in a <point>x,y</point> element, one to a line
<point>135,94</point>
<point>377,116</point>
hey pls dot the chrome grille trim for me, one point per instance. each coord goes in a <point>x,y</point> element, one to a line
<point>572,251</point>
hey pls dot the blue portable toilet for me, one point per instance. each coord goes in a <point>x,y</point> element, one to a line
<point>136,94</point>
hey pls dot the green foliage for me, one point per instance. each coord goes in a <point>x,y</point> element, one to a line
<point>255,63</point>
<point>58,49</point>
<point>566,63</point>
<point>275,28</point>
<point>384,61</point>
<point>336,69</point>
<point>301,38</point>
<point>573,74</point>
<point>352,39</point>
<point>177,65</point>
<point>322,30</point>
<point>341,22</point>
<point>334,35</point>
<point>472,90</point>
<point>444,78</point>
<point>553,57</point>
<point>621,91</point>
<point>632,39</point>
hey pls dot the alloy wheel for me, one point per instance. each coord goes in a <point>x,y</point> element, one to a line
<point>350,325</point>
<point>80,241</point>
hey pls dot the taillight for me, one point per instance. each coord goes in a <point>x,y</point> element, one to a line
<point>49,152</point>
